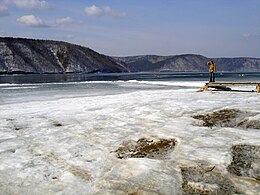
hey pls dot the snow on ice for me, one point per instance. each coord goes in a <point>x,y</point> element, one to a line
<point>67,144</point>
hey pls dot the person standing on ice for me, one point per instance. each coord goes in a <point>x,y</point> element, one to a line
<point>212,70</point>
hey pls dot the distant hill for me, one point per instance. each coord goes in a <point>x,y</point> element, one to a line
<point>238,64</point>
<point>18,55</point>
<point>187,63</point>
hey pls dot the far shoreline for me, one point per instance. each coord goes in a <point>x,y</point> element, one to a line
<point>137,76</point>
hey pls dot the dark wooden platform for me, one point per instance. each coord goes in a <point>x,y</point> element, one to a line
<point>225,86</point>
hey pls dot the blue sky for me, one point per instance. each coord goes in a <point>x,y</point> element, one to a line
<point>214,28</point>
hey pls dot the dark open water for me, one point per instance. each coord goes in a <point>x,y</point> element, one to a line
<point>163,76</point>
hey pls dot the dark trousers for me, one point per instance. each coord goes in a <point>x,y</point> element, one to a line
<point>212,77</point>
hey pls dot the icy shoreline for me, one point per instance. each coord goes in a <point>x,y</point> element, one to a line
<point>67,145</point>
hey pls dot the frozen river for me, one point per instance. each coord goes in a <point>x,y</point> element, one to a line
<point>63,138</point>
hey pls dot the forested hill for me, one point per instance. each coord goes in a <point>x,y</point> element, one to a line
<point>188,62</point>
<point>18,55</point>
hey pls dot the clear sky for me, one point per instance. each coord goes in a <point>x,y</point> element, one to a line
<point>214,28</point>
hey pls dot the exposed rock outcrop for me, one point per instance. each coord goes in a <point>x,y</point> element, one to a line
<point>155,148</point>
<point>41,56</point>
<point>245,161</point>
<point>230,118</point>
<point>202,179</point>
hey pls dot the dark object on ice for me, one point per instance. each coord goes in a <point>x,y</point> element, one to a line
<point>222,88</point>
<point>155,148</point>
<point>205,179</point>
<point>57,124</point>
<point>245,161</point>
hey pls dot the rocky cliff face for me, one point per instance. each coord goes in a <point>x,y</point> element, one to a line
<point>39,56</point>
<point>188,62</point>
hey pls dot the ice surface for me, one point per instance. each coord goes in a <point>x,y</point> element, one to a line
<point>61,138</point>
